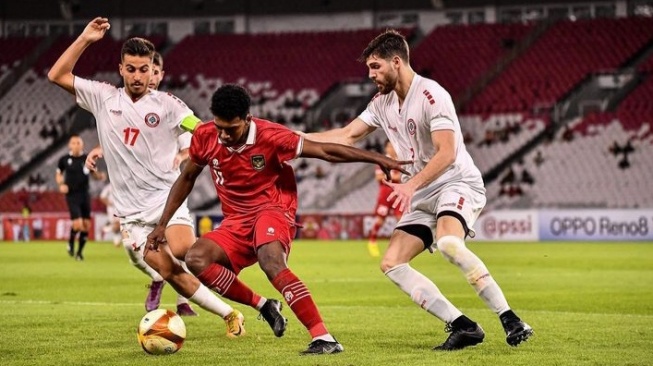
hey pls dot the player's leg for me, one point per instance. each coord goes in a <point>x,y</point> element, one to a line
<point>272,238</point>
<point>408,241</point>
<point>135,255</point>
<point>453,225</point>
<point>181,238</point>
<point>85,210</point>
<point>115,229</point>
<point>210,259</point>
<point>76,223</point>
<point>381,212</point>
<point>172,271</point>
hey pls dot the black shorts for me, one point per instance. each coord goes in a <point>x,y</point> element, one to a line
<point>79,205</point>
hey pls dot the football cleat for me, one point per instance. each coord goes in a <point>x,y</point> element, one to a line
<point>154,296</point>
<point>235,324</point>
<point>516,331</point>
<point>271,312</point>
<point>461,338</point>
<point>185,310</point>
<point>373,249</point>
<point>322,347</point>
<point>79,257</point>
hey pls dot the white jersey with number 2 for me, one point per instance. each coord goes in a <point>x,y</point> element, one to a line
<point>427,108</point>
<point>139,140</point>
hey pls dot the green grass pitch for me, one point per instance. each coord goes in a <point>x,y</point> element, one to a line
<point>590,304</point>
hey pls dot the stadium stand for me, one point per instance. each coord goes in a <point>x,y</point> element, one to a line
<point>586,170</point>
<point>559,60</point>
<point>14,50</point>
<point>457,55</point>
<point>283,79</point>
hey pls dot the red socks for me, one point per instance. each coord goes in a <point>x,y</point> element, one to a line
<point>300,301</point>
<point>225,283</point>
<point>375,230</point>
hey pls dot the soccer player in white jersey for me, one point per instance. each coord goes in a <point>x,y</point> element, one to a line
<point>443,195</point>
<point>135,256</point>
<point>137,127</point>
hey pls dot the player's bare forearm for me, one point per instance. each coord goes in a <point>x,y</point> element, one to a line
<point>435,168</point>
<point>61,72</point>
<point>348,135</point>
<point>440,162</point>
<point>179,192</point>
<point>337,153</point>
<point>336,136</point>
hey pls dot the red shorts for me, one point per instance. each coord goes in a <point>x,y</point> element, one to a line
<point>241,237</point>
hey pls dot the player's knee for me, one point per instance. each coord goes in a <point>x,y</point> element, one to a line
<point>195,260</point>
<point>271,259</point>
<point>451,247</point>
<point>387,263</point>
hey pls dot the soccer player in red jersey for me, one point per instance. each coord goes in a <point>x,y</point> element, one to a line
<point>247,157</point>
<point>383,206</point>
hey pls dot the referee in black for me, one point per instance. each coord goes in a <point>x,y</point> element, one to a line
<point>72,177</point>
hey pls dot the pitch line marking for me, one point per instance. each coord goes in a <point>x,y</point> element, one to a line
<point>97,303</point>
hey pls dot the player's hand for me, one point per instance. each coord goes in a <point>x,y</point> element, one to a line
<point>388,165</point>
<point>92,157</point>
<point>156,237</point>
<point>179,158</point>
<point>402,195</point>
<point>95,30</point>
<point>63,188</point>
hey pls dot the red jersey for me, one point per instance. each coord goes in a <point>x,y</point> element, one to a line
<point>254,176</point>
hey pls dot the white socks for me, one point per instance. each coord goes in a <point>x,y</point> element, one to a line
<point>325,337</point>
<point>423,292</point>
<point>454,250</point>
<point>181,300</point>
<point>209,302</point>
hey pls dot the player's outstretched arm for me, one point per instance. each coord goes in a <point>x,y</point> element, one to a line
<point>337,153</point>
<point>61,72</point>
<point>348,135</point>
<point>178,193</point>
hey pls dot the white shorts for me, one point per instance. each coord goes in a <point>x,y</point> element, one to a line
<point>458,199</point>
<point>135,231</point>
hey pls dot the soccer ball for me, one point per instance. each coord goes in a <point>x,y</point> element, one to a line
<point>161,332</point>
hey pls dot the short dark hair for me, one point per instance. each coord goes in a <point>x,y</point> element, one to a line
<point>157,59</point>
<point>230,101</point>
<point>386,45</point>
<point>137,46</point>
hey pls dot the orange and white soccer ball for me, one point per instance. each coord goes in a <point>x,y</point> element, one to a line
<point>161,332</point>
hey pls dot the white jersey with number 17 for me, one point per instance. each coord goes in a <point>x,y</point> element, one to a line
<point>427,108</point>
<point>139,140</point>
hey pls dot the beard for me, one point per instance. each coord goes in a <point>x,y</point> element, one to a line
<point>387,86</point>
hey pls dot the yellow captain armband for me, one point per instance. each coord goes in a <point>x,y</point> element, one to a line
<point>189,123</point>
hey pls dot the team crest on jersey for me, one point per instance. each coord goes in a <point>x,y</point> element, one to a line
<point>411,126</point>
<point>152,119</point>
<point>258,162</point>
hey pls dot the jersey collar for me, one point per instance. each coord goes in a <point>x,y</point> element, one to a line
<point>251,139</point>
